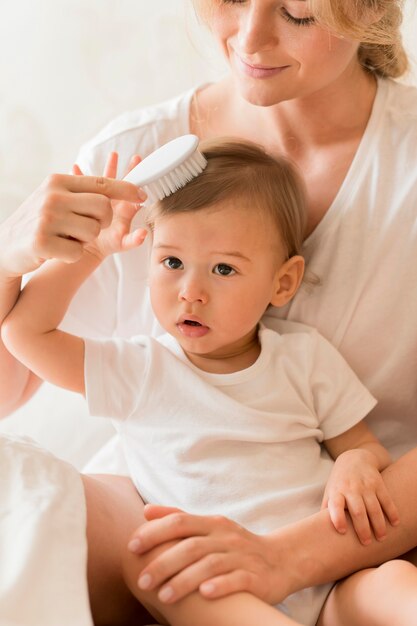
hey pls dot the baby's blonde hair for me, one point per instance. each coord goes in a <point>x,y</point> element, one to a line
<point>374,23</point>
<point>244,173</point>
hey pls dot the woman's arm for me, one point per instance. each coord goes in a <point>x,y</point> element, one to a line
<point>218,557</point>
<point>30,331</point>
<point>54,222</point>
<point>17,383</point>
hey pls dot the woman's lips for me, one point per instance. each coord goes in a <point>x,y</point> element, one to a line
<point>259,71</point>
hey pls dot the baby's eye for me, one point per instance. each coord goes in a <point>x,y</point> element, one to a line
<point>172,263</point>
<point>221,269</point>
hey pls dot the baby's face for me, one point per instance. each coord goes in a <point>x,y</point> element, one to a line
<point>212,277</point>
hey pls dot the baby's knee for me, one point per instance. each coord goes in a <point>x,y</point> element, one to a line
<point>394,568</point>
<point>393,571</point>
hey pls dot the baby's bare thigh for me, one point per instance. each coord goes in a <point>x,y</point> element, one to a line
<point>114,511</point>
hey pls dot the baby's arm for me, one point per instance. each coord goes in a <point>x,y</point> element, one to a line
<point>31,333</point>
<point>355,483</point>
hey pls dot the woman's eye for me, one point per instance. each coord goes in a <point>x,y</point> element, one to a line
<point>172,263</point>
<point>299,21</point>
<point>221,269</point>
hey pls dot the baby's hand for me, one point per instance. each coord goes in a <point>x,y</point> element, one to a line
<point>118,236</point>
<point>356,484</point>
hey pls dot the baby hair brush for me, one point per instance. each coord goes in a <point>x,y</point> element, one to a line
<point>169,168</point>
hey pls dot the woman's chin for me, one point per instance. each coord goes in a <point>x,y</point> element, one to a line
<point>260,95</point>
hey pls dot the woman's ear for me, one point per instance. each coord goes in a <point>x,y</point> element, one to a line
<point>287,280</point>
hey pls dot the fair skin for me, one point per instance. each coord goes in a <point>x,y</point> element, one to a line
<point>319,125</point>
<point>220,276</point>
<point>213,273</point>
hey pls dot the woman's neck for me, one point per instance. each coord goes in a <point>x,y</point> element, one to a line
<point>320,133</point>
<point>339,111</point>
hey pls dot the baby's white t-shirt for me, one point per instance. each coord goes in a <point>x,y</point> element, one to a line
<point>364,251</point>
<point>245,445</point>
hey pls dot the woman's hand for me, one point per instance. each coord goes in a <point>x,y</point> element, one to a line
<point>63,215</point>
<point>214,555</point>
<point>356,485</point>
<point>116,236</point>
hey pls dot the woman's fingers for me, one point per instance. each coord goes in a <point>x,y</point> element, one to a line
<point>82,229</point>
<point>192,577</point>
<point>110,168</point>
<point>111,188</point>
<point>58,186</point>
<point>232,582</point>
<point>170,528</point>
<point>34,231</point>
<point>238,561</point>
<point>211,554</point>
<point>155,511</point>
<point>177,559</point>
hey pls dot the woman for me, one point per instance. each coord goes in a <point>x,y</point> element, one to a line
<point>312,81</point>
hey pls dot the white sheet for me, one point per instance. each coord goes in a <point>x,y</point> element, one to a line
<point>43,551</point>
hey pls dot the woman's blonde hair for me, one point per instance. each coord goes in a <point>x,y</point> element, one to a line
<point>244,173</point>
<point>374,23</point>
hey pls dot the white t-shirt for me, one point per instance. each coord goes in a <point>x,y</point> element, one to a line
<point>245,445</point>
<point>364,251</point>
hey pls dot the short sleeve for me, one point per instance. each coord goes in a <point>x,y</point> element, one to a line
<point>115,372</point>
<point>340,400</point>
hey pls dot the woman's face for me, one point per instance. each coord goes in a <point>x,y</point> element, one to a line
<point>277,52</point>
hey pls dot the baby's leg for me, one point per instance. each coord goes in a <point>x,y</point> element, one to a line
<point>380,596</point>
<point>240,609</point>
<point>114,511</point>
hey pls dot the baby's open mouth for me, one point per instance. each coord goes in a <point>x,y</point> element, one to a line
<point>191,323</point>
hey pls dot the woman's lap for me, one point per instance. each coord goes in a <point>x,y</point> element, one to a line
<point>114,511</point>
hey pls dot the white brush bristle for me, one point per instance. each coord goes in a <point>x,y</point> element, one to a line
<point>177,178</point>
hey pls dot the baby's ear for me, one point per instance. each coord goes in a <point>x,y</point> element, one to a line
<point>287,280</point>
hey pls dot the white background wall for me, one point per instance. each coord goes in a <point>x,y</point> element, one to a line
<point>68,66</point>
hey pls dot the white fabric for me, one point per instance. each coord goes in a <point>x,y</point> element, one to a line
<point>245,445</point>
<point>43,548</point>
<point>364,251</point>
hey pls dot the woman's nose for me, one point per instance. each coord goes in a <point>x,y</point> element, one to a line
<point>257,27</point>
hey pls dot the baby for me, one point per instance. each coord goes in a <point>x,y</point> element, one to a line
<point>220,414</point>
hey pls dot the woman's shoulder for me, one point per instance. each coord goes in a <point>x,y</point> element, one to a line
<point>401,92</point>
<point>401,103</point>
<point>397,129</point>
<point>137,132</point>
